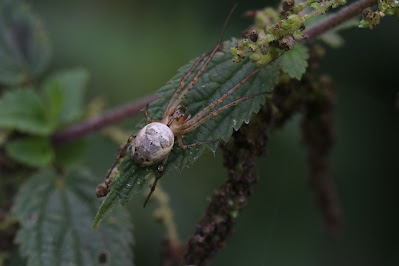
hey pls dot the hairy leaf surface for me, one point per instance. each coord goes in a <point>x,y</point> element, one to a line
<point>63,95</point>
<point>220,75</point>
<point>32,151</point>
<point>22,109</point>
<point>56,213</point>
<point>294,62</point>
<point>24,46</point>
<point>71,84</point>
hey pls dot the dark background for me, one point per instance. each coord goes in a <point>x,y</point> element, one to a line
<point>131,48</point>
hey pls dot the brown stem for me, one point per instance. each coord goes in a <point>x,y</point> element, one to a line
<point>318,138</point>
<point>339,17</point>
<point>217,225</point>
<point>81,129</point>
<point>114,116</point>
<point>314,97</point>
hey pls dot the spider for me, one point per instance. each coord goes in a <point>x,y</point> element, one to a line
<point>154,142</point>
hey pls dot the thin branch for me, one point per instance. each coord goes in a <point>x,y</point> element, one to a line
<point>339,17</point>
<point>81,129</point>
<point>114,116</point>
<point>318,138</point>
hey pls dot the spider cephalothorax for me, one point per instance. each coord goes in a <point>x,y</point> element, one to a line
<point>176,119</point>
<point>154,142</point>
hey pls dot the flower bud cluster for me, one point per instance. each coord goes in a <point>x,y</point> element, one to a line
<point>275,30</point>
<point>372,18</point>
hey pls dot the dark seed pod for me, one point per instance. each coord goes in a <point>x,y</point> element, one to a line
<point>287,43</point>
<point>102,190</point>
<point>252,35</point>
<point>287,6</point>
<point>276,26</point>
<point>367,13</point>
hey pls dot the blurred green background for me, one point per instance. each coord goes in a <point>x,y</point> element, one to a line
<point>131,48</point>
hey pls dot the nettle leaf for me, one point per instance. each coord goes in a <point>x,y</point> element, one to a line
<point>294,62</point>
<point>32,151</point>
<point>54,99</point>
<point>132,179</point>
<point>24,46</point>
<point>22,109</point>
<point>220,75</point>
<point>63,94</point>
<point>71,84</point>
<point>72,153</point>
<point>56,212</point>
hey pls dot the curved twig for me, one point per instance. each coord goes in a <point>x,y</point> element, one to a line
<point>114,116</point>
<point>120,113</point>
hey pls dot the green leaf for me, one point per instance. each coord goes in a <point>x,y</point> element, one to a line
<point>295,61</point>
<point>220,75</point>
<point>24,46</point>
<point>23,110</point>
<point>56,212</point>
<point>54,97</point>
<point>11,258</point>
<point>71,153</point>
<point>32,151</point>
<point>3,137</point>
<point>72,85</point>
<point>132,179</point>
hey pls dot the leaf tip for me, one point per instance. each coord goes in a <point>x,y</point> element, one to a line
<point>97,221</point>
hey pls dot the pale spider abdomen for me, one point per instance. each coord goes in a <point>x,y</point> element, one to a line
<point>152,144</point>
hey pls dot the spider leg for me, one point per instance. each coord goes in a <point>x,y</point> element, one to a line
<point>159,175</point>
<point>152,189</point>
<point>121,154</point>
<point>194,123</point>
<point>147,116</point>
<point>183,146</point>
<point>192,83</point>
<point>204,111</point>
<point>183,80</point>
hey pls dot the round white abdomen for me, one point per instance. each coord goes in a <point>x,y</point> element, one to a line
<point>153,143</point>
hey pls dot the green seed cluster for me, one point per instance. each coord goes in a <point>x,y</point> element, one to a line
<point>276,30</point>
<point>372,18</point>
